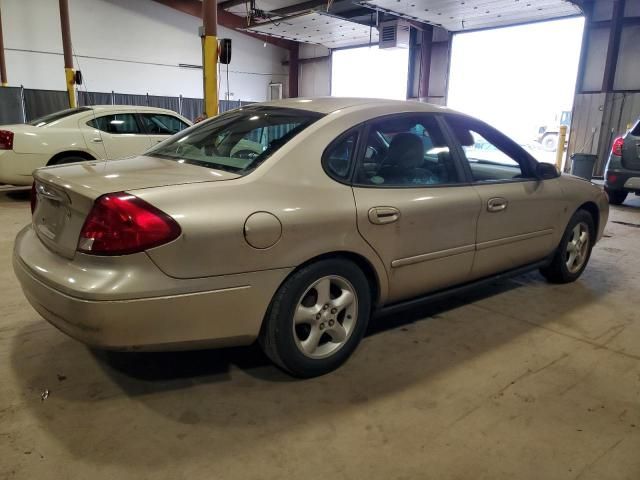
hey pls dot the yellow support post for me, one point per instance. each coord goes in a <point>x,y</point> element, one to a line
<point>562,137</point>
<point>70,75</point>
<point>209,64</point>
<point>210,56</point>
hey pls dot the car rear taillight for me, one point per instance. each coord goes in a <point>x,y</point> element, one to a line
<point>33,197</point>
<point>120,223</point>
<point>6,140</point>
<point>616,149</point>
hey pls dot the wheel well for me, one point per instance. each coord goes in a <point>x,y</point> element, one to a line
<point>70,153</point>
<point>362,262</point>
<point>592,208</point>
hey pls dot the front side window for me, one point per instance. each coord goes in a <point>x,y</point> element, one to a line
<point>406,151</point>
<point>162,124</point>
<point>237,141</point>
<point>491,156</point>
<point>117,124</point>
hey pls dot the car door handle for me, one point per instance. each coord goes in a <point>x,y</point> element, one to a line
<point>383,215</point>
<point>96,140</point>
<point>497,204</point>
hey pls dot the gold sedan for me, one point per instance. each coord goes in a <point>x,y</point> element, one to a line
<point>293,222</point>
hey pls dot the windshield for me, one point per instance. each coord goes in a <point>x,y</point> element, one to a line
<point>237,141</point>
<point>54,117</point>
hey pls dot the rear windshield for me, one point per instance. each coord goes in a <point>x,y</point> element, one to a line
<point>237,141</point>
<point>636,130</point>
<point>54,117</point>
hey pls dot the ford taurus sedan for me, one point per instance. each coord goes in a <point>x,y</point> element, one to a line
<point>354,207</point>
<point>80,134</point>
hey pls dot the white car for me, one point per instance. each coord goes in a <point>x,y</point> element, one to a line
<point>80,134</point>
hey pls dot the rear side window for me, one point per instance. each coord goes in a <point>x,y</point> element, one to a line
<point>636,130</point>
<point>120,123</point>
<point>162,124</point>
<point>338,157</point>
<point>54,117</point>
<point>406,151</point>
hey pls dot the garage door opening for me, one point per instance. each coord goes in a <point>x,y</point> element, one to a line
<point>370,72</point>
<point>520,79</point>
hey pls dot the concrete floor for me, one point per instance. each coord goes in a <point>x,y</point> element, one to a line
<point>523,380</point>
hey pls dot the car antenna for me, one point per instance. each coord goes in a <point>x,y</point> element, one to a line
<point>93,111</point>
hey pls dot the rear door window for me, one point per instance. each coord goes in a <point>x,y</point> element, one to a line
<point>117,124</point>
<point>162,124</point>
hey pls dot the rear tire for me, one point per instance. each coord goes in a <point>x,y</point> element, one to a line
<point>317,318</point>
<point>574,251</point>
<point>616,197</point>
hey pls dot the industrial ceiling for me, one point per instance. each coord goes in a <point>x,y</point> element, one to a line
<point>345,23</point>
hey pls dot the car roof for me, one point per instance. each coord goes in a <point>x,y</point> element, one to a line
<point>331,104</point>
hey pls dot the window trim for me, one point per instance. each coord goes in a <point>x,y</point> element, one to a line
<point>531,163</point>
<point>347,180</point>
<point>141,128</point>
<point>464,178</point>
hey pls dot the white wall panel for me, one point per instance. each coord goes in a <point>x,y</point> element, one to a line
<point>130,47</point>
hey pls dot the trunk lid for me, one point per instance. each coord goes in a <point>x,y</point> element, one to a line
<point>67,193</point>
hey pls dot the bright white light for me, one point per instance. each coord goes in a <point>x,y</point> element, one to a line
<point>370,72</point>
<point>255,117</point>
<point>516,78</point>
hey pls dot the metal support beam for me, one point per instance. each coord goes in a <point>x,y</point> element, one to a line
<point>615,32</point>
<point>210,56</point>
<point>425,61</point>
<point>225,19</point>
<point>294,69</point>
<point>3,63</point>
<point>68,52</point>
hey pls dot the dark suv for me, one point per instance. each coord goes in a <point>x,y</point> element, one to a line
<point>622,174</point>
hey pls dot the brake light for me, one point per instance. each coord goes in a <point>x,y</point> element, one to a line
<point>6,140</point>
<point>33,197</point>
<point>120,223</point>
<point>616,149</point>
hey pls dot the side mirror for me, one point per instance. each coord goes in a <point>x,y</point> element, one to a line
<point>546,171</point>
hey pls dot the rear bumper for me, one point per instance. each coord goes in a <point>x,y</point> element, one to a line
<point>622,180</point>
<point>229,313</point>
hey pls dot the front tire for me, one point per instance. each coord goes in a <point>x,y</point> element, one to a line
<point>317,318</point>
<point>574,251</point>
<point>616,197</point>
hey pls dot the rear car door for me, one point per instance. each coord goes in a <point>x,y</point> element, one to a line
<point>519,211</point>
<point>115,135</point>
<point>160,126</point>
<point>413,206</point>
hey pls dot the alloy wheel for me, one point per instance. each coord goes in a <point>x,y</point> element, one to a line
<point>577,247</point>
<point>325,317</point>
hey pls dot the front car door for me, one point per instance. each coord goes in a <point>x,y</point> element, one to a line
<point>413,206</point>
<point>519,212</point>
<point>114,135</point>
<point>160,126</point>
